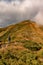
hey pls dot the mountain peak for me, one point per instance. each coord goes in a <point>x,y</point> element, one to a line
<point>28,21</point>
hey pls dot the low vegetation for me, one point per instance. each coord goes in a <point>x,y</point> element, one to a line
<point>22,53</point>
<point>25,46</point>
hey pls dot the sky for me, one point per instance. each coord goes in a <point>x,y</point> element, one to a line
<point>14,11</point>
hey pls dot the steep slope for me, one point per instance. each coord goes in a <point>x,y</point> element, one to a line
<point>41,27</point>
<point>25,30</point>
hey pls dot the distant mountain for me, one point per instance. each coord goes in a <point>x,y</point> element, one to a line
<point>25,30</point>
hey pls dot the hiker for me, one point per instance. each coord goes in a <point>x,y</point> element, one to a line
<point>0,45</point>
<point>9,39</point>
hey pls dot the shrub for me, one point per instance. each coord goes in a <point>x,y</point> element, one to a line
<point>32,45</point>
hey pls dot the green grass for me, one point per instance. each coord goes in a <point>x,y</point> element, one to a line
<point>25,56</point>
<point>34,46</point>
<point>18,58</point>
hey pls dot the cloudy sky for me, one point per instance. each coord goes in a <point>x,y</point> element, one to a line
<point>13,11</point>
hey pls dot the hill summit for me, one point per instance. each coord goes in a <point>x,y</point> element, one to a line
<point>25,30</point>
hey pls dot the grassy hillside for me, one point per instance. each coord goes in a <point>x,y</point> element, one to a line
<point>25,47</point>
<point>41,27</point>
<point>26,30</point>
<point>24,53</point>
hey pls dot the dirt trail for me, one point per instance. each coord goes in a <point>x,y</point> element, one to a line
<point>12,46</point>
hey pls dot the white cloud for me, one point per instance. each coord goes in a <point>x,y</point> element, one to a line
<point>39,18</point>
<point>18,10</point>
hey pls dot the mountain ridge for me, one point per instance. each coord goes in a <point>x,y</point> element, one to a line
<point>25,30</point>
